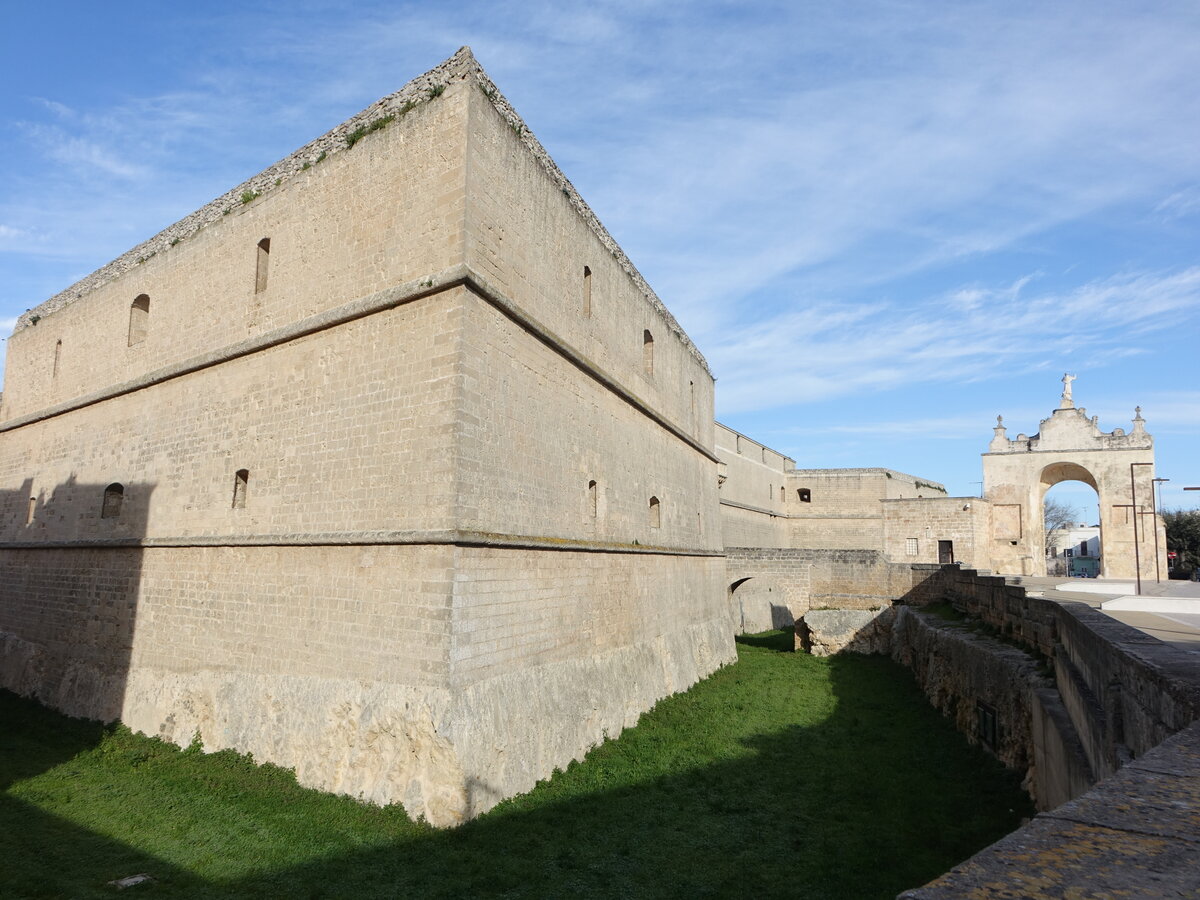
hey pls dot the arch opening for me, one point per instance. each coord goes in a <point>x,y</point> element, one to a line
<point>1071,524</point>
<point>761,604</point>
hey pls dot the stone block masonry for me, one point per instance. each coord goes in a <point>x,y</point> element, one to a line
<point>420,502</point>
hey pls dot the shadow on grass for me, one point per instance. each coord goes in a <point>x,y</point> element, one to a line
<point>783,775</point>
<point>46,855</point>
<point>782,641</point>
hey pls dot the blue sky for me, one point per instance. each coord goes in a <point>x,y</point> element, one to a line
<point>883,223</point>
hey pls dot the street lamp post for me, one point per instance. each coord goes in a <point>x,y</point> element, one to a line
<point>1154,483</point>
<point>1137,556</point>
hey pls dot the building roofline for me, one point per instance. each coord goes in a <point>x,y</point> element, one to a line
<point>756,441</point>
<point>424,88</point>
<point>890,473</point>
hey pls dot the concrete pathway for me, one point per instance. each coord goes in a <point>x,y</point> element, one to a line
<point>1167,610</point>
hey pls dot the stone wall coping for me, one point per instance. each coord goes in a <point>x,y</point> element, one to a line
<point>462,66</point>
<point>852,473</point>
<point>1179,669</point>
<point>759,444</point>
<point>946,499</point>
<point>448,536</point>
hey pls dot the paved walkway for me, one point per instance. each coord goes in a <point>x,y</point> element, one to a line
<point>1167,610</point>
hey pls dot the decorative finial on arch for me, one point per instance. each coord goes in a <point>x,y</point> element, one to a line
<point>999,421</point>
<point>1139,424</point>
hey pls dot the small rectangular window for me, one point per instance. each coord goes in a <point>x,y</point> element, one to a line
<point>910,547</point>
<point>260,272</point>
<point>114,496</point>
<point>587,291</point>
<point>241,481</point>
<point>139,319</point>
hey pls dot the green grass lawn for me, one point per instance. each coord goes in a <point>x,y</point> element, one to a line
<point>783,775</point>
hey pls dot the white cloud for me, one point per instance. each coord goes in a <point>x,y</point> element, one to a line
<point>828,351</point>
<point>1180,203</point>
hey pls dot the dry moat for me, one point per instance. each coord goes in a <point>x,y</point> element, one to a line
<point>781,775</point>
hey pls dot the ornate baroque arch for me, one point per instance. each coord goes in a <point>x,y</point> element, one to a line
<point>1069,446</point>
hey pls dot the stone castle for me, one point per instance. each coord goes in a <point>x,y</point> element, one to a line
<point>388,466</point>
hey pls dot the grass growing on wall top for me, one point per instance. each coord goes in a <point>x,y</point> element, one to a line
<point>782,775</point>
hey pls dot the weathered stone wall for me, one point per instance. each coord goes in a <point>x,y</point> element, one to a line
<point>479,527</point>
<point>1126,691</point>
<point>1124,712</point>
<point>202,291</point>
<point>960,669</point>
<point>768,588</point>
<point>843,509</point>
<point>815,580</point>
<point>755,504</point>
<point>912,529</point>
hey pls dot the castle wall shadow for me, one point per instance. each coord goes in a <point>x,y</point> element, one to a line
<point>70,573</point>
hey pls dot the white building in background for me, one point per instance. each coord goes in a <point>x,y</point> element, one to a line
<point>1075,551</point>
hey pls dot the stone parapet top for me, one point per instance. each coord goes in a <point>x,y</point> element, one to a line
<point>851,473</point>
<point>455,537</point>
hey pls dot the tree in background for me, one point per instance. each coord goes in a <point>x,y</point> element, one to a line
<point>1057,517</point>
<point>1183,536</point>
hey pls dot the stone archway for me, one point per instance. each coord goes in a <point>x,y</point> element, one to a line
<point>760,603</point>
<point>1071,447</point>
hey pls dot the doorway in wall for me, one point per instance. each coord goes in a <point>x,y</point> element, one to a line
<point>945,553</point>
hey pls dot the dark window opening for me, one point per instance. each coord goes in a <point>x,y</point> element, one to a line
<point>804,494</point>
<point>648,352</point>
<point>655,513</point>
<point>260,272</point>
<point>114,496</point>
<point>241,480</point>
<point>986,728</point>
<point>139,319</point>
<point>587,291</point>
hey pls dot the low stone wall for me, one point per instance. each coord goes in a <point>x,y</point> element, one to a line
<point>826,632</point>
<point>821,581</point>
<point>1124,711</point>
<point>998,695</point>
<point>1126,691</point>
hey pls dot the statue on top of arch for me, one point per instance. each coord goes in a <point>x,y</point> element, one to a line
<point>1067,402</point>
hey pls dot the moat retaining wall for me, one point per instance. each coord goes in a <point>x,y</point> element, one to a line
<point>1116,738</point>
